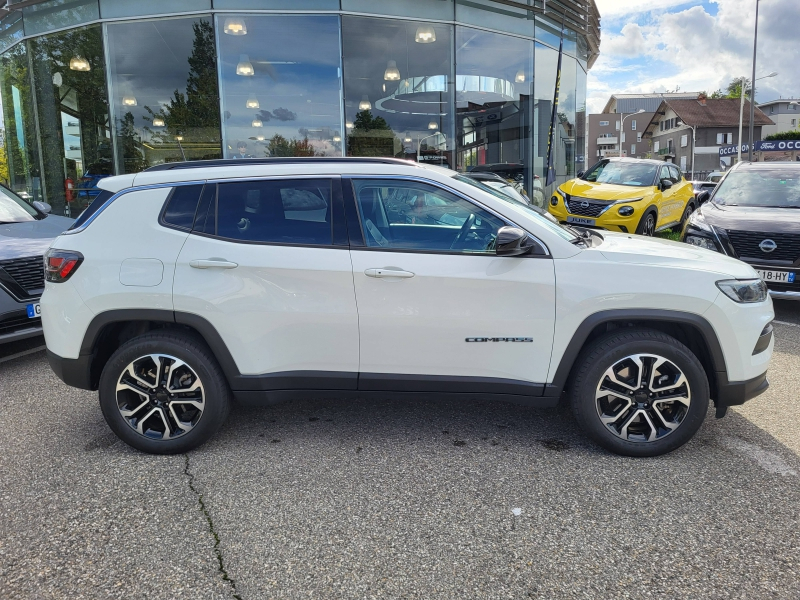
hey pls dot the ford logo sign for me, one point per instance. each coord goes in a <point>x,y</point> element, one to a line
<point>584,204</point>
<point>768,246</point>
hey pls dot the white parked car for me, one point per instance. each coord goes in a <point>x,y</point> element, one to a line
<point>192,284</point>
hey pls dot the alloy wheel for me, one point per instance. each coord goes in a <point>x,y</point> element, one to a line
<point>160,396</point>
<point>649,226</point>
<point>643,398</point>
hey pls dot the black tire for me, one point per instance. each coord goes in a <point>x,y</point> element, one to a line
<point>647,224</point>
<point>687,212</point>
<point>590,379</point>
<point>205,410</point>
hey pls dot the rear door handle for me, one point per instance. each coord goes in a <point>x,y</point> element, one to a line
<point>386,272</point>
<point>212,263</point>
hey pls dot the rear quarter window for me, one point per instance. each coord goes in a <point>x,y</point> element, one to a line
<point>181,206</point>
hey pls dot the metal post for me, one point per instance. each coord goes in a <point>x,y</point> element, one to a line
<point>753,91</point>
<point>741,116</point>
<point>694,143</point>
<point>621,125</point>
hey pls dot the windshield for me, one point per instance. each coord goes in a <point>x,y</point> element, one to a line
<point>529,210</point>
<point>776,188</point>
<point>508,190</point>
<point>622,173</point>
<point>14,209</point>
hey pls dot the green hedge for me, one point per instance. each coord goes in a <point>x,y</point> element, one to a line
<point>784,135</point>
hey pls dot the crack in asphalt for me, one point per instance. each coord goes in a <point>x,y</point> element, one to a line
<point>204,510</point>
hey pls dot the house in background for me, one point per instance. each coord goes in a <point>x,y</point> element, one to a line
<point>685,128</point>
<point>619,122</point>
<point>785,112</point>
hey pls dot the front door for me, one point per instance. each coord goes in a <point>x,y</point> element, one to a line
<point>437,308</point>
<point>262,266</point>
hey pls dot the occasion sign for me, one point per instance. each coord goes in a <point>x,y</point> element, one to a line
<point>772,146</point>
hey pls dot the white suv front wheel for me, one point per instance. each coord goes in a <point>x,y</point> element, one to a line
<point>639,392</point>
<point>164,393</point>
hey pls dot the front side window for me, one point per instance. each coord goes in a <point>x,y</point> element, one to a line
<point>622,173</point>
<point>281,211</point>
<point>419,216</point>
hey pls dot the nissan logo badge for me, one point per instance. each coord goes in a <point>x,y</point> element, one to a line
<point>767,246</point>
<point>585,204</point>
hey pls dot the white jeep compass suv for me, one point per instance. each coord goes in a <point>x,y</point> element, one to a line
<point>190,284</point>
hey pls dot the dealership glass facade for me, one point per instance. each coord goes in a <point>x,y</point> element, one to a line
<point>92,88</point>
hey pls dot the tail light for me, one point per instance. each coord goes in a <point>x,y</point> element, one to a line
<point>59,265</point>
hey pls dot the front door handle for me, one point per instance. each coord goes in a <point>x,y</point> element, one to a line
<point>212,263</point>
<point>386,272</point>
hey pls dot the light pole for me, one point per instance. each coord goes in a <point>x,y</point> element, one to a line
<point>741,114</point>
<point>622,127</point>
<point>420,140</point>
<point>753,90</point>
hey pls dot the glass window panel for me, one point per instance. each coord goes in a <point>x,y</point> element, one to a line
<point>10,29</point>
<point>165,94</point>
<point>549,32</point>
<point>182,205</point>
<point>495,16</point>
<point>278,211</point>
<point>422,9</point>
<point>280,98</point>
<point>273,4</point>
<point>55,14</point>
<point>73,122</point>
<point>111,9</point>
<point>398,89</point>
<point>411,215</point>
<point>494,81</point>
<point>21,146</point>
<point>580,121</point>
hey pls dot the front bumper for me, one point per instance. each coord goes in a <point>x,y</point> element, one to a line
<point>734,393</point>
<point>609,219</point>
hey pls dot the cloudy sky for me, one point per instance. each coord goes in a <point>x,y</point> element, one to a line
<point>694,45</point>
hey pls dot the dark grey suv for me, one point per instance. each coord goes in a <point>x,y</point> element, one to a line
<point>26,232</point>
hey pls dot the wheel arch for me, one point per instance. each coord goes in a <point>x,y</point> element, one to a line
<point>110,329</point>
<point>691,329</point>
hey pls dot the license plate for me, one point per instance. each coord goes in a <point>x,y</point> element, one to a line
<point>776,276</point>
<point>34,310</point>
<point>580,221</point>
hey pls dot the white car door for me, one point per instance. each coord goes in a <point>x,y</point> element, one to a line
<point>267,265</point>
<point>438,309</point>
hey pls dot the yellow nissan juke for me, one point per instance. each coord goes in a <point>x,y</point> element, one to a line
<point>625,194</point>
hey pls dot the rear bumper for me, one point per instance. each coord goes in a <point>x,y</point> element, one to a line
<point>75,372</point>
<point>734,393</point>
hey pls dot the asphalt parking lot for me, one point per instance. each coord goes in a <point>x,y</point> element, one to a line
<point>395,499</point>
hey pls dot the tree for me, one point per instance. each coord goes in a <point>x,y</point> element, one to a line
<point>784,135</point>
<point>281,146</point>
<point>372,136</point>
<point>734,89</point>
<point>130,145</point>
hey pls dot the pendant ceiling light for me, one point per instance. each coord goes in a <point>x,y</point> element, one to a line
<point>337,137</point>
<point>252,102</point>
<point>245,67</point>
<point>433,125</point>
<point>392,73</point>
<point>425,35</point>
<point>260,138</point>
<point>129,100</point>
<point>365,104</point>
<point>179,138</point>
<point>235,26</point>
<point>407,139</point>
<point>78,63</point>
<point>158,122</point>
<point>520,78</point>
<point>257,122</point>
<point>349,125</point>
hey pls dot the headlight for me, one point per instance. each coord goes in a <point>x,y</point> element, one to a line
<point>744,292</point>
<point>702,242</point>
<point>698,220</point>
<point>625,211</point>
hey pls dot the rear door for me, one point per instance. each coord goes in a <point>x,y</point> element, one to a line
<point>438,310</point>
<point>267,265</point>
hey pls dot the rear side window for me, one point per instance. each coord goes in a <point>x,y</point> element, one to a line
<point>98,201</point>
<point>182,206</point>
<point>288,211</point>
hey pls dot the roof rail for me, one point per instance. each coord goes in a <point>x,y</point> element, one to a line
<point>288,160</point>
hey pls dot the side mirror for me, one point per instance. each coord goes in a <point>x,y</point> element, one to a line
<point>43,207</point>
<point>703,197</point>
<point>666,184</point>
<point>581,174</point>
<point>510,241</point>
